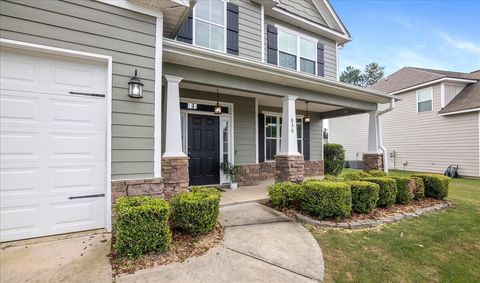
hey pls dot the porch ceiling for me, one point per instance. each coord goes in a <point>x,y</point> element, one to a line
<point>201,58</point>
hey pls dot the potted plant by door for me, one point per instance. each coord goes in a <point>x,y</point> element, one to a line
<point>231,171</point>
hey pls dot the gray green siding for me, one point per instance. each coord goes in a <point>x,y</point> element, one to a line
<point>316,141</point>
<point>94,27</point>
<point>330,51</point>
<point>243,122</point>
<point>249,20</point>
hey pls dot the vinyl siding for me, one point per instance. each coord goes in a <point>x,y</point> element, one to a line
<point>352,133</point>
<point>451,90</point>
<point>425,141</point>
<point>302,8</point>
<point>316,141</point>
<point>243,122</point>
<point>94,27</point>
<point>249,21</point>
<point>330,51</point>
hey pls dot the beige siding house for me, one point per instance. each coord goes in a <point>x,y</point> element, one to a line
<point>435,123</point>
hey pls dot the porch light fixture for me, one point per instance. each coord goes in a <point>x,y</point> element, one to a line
<point>306,119</point>
<point>135,87</point>
<point>218,108</point>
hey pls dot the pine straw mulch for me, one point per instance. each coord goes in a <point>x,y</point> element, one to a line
<point>183,247</point>
<point>376,214</point>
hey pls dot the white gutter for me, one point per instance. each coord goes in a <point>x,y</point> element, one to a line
<point>380,134</point>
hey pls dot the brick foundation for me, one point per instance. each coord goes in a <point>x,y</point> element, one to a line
<point>289,168</point>
<point>175,175</point>
<point>314,168</point>
<point>139,187</point>
<point>372,161</point>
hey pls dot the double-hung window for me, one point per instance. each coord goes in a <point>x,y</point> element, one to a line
<point>273,133</point>
<point>297,52</point>
<point>209,24</point>
<point>425,100</point>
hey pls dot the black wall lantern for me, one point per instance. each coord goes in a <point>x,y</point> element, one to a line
<point>135,87</point>
<point>218,108</point>
<point>306,119</point>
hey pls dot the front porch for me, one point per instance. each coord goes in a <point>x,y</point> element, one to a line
<point>222,113</point>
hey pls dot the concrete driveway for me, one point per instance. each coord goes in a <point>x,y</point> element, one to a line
<point>76,259</point>
<point>260,245</point>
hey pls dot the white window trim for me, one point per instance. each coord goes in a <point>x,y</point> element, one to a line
<point>298,35</point>
<point>278,137</point>
<point>194,27</point>
<point>418,101</point>
<point>223,116</point>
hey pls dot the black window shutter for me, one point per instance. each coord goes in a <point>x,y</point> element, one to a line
<point>232,28</point>
<point>272,45</point>
<point>306,141</point>
<point>261,138</point>
<point>185,33</point>
<point>320,60</point>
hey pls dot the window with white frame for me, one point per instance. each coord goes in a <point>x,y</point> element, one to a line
<point>209,24</point>
<point>425,100</point>
<point>273,133</point>
<point>297,52</point>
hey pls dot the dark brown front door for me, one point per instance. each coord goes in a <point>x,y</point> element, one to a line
<point>203,149</point>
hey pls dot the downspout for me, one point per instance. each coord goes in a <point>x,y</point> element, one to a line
<point>380,134</point>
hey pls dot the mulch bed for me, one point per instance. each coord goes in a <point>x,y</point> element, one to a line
<point>376,214</point>
<point>183,247</point>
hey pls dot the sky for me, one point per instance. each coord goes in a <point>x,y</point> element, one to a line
<point>437,34</point>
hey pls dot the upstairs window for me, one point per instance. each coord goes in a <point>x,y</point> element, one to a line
<point>297,52</point>
<point>209,24</point>
<point>425,100</point>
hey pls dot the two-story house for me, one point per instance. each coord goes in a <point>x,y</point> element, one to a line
<point>106,98</point>
<point>435,123</point>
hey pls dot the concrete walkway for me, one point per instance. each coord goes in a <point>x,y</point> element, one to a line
<point>246,194</point>
<point>73,259</point>
<point>260,245</point>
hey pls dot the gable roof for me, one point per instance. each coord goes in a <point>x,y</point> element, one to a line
<point>467,99</point>
<point>408,77</point>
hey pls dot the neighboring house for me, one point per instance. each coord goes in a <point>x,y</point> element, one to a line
<point>78,131</point>
<point>435,123</point>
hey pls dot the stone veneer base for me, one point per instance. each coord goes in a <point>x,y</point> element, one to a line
<point>369,223</point>
<point>175,175</point>
<point>289,168</point>
<point>372,161</point>
<point>139,187</point>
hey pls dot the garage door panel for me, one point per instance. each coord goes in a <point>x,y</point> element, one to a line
<point>52,145</point>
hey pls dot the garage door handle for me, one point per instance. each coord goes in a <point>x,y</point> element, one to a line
<point>89,196</point>
<point>87,94</point>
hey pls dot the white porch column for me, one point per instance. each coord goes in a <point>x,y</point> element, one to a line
<point>289,127</point>
<point>173,134</point>
<point>373,132</point>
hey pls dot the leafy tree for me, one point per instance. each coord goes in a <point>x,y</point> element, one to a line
<point>371,74</point>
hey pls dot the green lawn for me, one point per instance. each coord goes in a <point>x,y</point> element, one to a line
<point>438,247</point>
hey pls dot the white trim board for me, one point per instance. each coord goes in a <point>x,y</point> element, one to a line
<point>460,112</point>
<point>433,82</point>
<point>108,102</point>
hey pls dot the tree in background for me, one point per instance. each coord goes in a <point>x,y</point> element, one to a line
<point>371,74</point>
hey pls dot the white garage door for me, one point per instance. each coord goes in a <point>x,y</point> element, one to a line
<point>53,160</point>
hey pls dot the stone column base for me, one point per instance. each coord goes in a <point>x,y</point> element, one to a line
<point>314,168</point>
<point>372,161</point>
<point>139,187</point>
<point>175,175</point>
<point>289,168</point>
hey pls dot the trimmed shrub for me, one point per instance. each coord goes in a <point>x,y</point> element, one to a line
<point>284,194</point>
<point>388,190</point>
<point>331,178</point>
<point>357,175</point>
<point>327,199</point>
<point>436,186</point>
<point>196,212</point>
<point>334,158</point>
<point>377,173</point>
<point>418,187</point>
<point>404,190</point>
<point>364,196</point>
<point>141,226</point>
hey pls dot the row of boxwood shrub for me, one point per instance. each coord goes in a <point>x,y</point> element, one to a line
<point>356,191</point>
<point>143,224</point>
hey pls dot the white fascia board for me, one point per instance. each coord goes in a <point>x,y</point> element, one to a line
<point>129,5</point>
<point>334,14</point>
<point>460,112</point>
<point>191,52</point>
<point>309,25</point>
<point>446,80</point>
